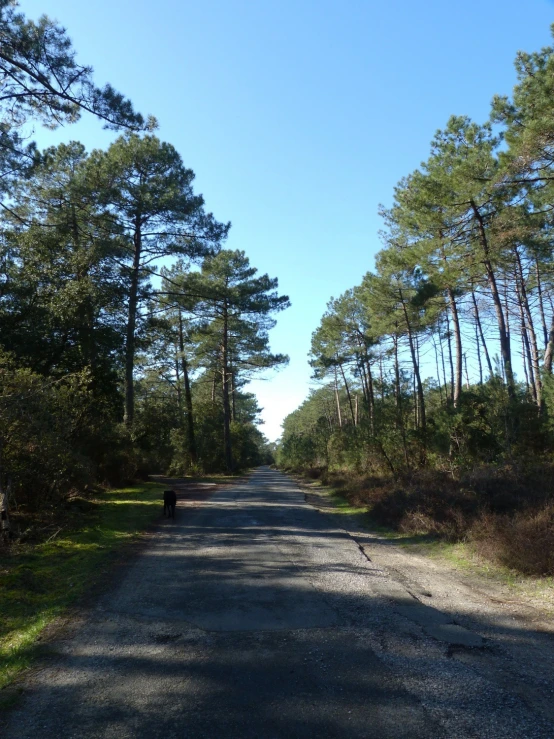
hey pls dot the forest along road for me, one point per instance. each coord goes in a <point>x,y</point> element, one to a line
<point>256,616</point>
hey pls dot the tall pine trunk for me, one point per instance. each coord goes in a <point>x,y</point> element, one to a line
<point>541,303</point>
<point>549,353</point>
<point>363,377</point>
<point>457,385</point>
<point>503,332</point>
<point>525,350</point>
<point>420,394</point>
<point>348,395</point>
<point>481,334</point>
<point>339,415</point>
<point>437,366</point>
<point>449,344</point>
<point>480,363</point>
<point>178,386</point>
<point>191,437</point>
<point>443,362</point>
<point>457,374</point>
<point>129,414</point>
<point>233,395</point>
<point>225,387</point>
<point>398,397</point>
<point>371,392</point>
<point>531,334</point>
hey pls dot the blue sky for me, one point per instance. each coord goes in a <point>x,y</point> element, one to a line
<point>298,119</point>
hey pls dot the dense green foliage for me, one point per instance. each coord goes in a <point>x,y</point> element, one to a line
<point>441,358</point>
<point>126,333</point>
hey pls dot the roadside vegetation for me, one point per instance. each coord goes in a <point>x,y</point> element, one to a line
<point>435,408</point>
<point>62,554</point>
<point>498,519</point>
<point>127,334</point>
<point>127,331</point>
<point>338,497</point>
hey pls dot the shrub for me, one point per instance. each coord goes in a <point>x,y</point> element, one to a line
<point>55,435</point>
<point>523,542</point>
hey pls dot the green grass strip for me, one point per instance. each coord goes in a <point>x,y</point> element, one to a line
<point>38,583</point>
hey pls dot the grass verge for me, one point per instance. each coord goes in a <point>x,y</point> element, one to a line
<point>38,582</point>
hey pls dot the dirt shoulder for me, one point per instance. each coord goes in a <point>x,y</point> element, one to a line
<point>515,619</point>
<point>432,577</point>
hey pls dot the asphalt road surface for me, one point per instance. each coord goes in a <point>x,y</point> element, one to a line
<point>256,616</point>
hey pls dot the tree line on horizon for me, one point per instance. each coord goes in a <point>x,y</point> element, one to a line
<point>127,331</point>
<point>442,356</point>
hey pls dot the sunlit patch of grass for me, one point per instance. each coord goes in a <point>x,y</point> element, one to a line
<point>343,506</point>
<point>39,582</point>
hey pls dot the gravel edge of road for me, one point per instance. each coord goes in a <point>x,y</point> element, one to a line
<point>493,588</point>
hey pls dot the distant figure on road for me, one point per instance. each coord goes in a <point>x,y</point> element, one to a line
<point>170,501</point>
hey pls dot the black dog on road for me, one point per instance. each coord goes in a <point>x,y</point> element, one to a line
<point>170,501</point>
